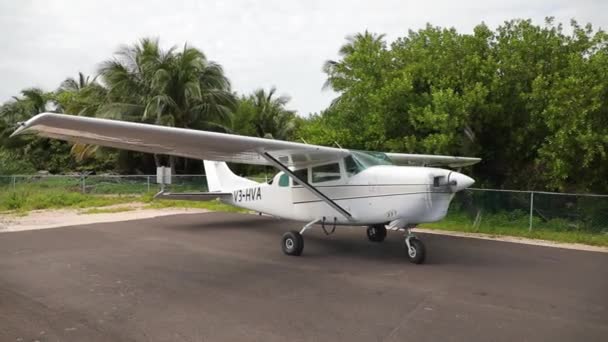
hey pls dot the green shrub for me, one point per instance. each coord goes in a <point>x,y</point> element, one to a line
<point>11,164</point>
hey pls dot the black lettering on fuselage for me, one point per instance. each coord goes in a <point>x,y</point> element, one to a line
<point>248,195</point>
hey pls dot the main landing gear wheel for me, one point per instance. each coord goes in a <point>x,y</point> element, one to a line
<point>376,233</point>
<point>292,243</point>
<point>416,252</point>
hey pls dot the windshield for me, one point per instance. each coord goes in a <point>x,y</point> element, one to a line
<point>361,160</point>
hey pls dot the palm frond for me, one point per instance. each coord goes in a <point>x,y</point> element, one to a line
<point>121,111</point>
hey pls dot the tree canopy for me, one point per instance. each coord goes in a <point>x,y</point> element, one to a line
<point>530,100</point>
<point>263,114</point>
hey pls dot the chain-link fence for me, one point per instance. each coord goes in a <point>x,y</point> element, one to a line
<point>106,184</point>
<point>479,209</point>
<point>498,210</point>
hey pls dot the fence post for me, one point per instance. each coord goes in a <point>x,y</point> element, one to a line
<point>531,209</point>
<point>83,184</point>
<point>14,182</point>
<point>148,180</point>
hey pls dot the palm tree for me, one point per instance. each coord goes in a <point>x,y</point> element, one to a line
<point>181,89</point>
<point>70,84</point>
<point>266,113</point>
<point>31,102</point>
<point>81,96</point>
<point>12,112</point>
<point>37,101</point>
<point>166,87</point>
<point>340,75</point>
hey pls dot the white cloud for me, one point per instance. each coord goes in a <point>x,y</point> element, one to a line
<point>259,43</point>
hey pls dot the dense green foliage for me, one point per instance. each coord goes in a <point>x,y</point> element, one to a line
<point>531,100</point>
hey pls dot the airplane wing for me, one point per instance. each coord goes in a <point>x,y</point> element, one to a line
<point>176,141</point>
<point>207,146</point>
<point>202,144</point>
<point>431,160</point>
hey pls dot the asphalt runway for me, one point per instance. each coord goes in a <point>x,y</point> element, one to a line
<point>223,277</point>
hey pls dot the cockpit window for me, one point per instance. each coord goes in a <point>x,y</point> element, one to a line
<point>371,158</point>
<point>352,167</point>
<point>359,161</point>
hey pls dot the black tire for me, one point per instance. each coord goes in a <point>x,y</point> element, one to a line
<point>292,243</point>
<point>376,233</point>
<point>418,254</point>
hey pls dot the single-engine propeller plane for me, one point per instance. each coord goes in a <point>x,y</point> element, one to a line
<point>315,184</point>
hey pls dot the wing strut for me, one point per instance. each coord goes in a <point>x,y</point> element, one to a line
<point>305,184</point>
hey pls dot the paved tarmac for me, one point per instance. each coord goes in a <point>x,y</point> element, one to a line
<point>223,277</point>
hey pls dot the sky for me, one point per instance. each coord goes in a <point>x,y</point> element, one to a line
<point>259,43</point>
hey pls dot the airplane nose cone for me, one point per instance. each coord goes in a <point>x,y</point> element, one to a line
<point>462,181</point>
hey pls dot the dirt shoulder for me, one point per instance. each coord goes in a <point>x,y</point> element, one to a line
<point>44,219</point>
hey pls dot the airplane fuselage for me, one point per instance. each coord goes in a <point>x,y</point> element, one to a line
<point>378,194</point>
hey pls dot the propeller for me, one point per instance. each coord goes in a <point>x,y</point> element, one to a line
<point>454,181</point>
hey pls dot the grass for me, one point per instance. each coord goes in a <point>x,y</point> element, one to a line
<point>214,205</point>
<point>22,201</point>
<point>25,200</point>
<point>65,192</point>
<point>503,225</point>
<point>53,193</point>
<point>106,210</point>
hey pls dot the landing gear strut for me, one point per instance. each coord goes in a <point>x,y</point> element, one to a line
<point>292,242</point>
<point>416,252</point>
<point>376,233</point>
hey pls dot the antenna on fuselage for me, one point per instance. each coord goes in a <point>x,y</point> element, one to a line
<point>335,142</point>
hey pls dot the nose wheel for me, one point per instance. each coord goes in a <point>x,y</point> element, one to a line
<point>415,249</point>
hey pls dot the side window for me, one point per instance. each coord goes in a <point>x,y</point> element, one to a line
<point>301,174</point>
<point>325,173</point>
<point>284,180</point>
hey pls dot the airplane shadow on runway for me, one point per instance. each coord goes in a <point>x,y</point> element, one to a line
<point>352,241</point>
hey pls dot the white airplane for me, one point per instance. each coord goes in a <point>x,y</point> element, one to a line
<point>316,184</point>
